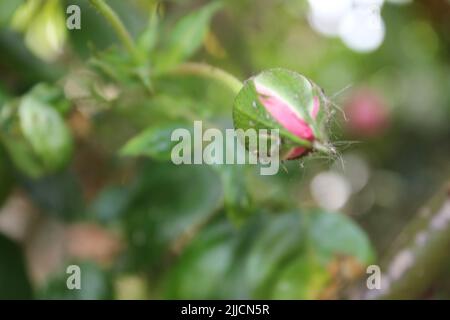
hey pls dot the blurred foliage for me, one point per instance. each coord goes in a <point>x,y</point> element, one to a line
<point>34,132</point>
<point>85,138</point>
<point>274,257</point>
<point>14,283</point>
<point>96,284</point>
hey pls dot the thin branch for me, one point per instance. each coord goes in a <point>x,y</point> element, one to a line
<point>420,256</point>
<point>210,72</point>
<point>111,16</point>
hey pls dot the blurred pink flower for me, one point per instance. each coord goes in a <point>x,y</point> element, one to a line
<point>367,113</point>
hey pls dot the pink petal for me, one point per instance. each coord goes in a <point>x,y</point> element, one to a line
<point>284,114</point>
<point>295,153</point>
<point>316,107</point>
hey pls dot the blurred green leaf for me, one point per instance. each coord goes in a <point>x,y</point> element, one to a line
<point>14,282</point>
<point>96,284</point>
<point>304,278</point>
<point>194,97</point>
<point>112,202</point>
<point>274,256</point>
<point>114,64</point>
<point>35,135</point>
<point>46,132</point>
<point>186,37</point>
<point>155,142</point>
<point>149,38</point>
<point>204,265</point>
<point>167,201</point>
<point>342,236</point>
<point>51,95</point>
<point>44,26</point>
<point>238,204</point>
<point>280,239</point>
<point>328,235</point>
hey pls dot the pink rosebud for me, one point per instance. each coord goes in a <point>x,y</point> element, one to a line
<point>287,101</point>
<point>284,113</point>
<point>367,114</point>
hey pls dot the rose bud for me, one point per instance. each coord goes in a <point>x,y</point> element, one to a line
<point>287,101</point>
<point>367,114</point>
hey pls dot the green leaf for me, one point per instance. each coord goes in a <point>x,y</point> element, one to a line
<point>238,204</point>
<point>304,278</point>
<point>155,142</point>
<point>46,132</point>
<point>51,95</point>
<point>166,202</point>
<point>328,236</point>
<point>280,239</point>
<point>343,237</point>
<point>207,262</point>
<point>149,38</point>
<point>14,282</point>
<point>186,37</point>
<point>279,256</point>
<point>111,203</point>
<point>44,26</point>
<point>35,136</point>
<point>115,65</point>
